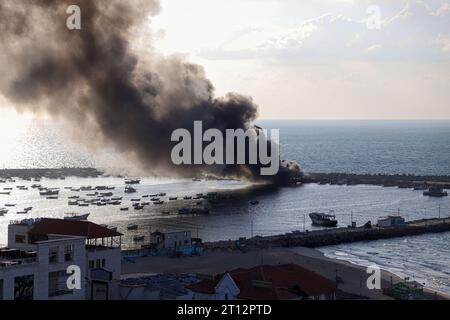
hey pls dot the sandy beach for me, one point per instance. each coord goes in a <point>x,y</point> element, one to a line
<point>353,278</point>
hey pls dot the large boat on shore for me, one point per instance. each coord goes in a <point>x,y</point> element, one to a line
<point>323,219</point>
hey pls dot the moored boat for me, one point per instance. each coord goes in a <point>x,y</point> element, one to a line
<point>323,219</point>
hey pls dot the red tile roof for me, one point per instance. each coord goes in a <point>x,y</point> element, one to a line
<point>71,228</point>
<point>288,281</point>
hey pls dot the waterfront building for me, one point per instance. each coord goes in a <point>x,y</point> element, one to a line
<point>35,264</point>
<point>391,222</point>
<point>284,282</point>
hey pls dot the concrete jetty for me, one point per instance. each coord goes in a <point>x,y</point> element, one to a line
<point>327,237</point>
<point>401,181</point>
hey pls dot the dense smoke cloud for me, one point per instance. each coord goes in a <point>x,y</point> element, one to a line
<point>94,79</point>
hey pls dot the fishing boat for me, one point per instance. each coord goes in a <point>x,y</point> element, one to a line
<point>436,191</point>
<point>129,189</point>
<point>76,217</point>
<point>323,219</point>
<point>173,198</point>
<point>135,200</point>
<point>124,209</point>
<point>10,205</point>
<point>187,198</point>
<point>138,238</point>
<point>52,198</point>
<point>28,209</point>
<point>3,211</point>
<point>132,227</point>
<point>184,211</point>
<point>154,199</point>
<point>132,181</point>
<point>158,202</point>
<point>162,194</point>
<point>49,192</point>
<point>6,193</point>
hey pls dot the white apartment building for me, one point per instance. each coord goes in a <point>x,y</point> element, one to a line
<point>39,253</point>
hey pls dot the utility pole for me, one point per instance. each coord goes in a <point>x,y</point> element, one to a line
<point>304,222</point>
<point>252,229</point>
<point>439,211</point>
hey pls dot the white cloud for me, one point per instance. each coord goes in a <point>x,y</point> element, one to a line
<point>442,11</point>
<point>443,42</point>
<point>374,48</point>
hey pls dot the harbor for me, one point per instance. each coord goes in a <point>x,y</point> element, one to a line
<point>336,236</point>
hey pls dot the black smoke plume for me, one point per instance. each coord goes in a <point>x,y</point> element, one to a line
<point>94,79</point>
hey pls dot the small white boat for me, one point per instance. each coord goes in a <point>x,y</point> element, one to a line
<point>49,193</point>
<point>76,217</point>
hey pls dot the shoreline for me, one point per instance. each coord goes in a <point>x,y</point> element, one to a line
<point>218,261</point>
<point>388,273</point>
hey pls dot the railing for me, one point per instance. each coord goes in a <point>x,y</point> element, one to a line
<point>16,262</point>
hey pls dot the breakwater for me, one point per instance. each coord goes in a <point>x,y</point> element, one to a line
<point>327,237</point>
<point>401,181</point>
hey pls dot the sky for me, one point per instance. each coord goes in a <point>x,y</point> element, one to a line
<point>321,59</point>
<point>316,59</point>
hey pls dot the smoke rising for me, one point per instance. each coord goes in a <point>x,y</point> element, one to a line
<point>93,78</point>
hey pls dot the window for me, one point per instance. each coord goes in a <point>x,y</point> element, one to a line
<point>20,238</point>
<point>97,264</point>
<point>24,287</point>
<point>103,263</point>
<point>53,255</point>
<point>57,284</point>
<point>91,264</point>
<point>68,253</point>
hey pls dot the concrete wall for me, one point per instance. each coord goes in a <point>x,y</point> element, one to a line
<point>42,267</point>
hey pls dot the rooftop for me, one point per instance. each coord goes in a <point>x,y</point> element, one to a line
<point>87,229</point>
<point>282,282</point>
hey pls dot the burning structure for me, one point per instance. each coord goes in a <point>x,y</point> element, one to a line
<point>109,92</point>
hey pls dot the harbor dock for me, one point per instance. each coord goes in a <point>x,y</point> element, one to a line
<point>328,237</point>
